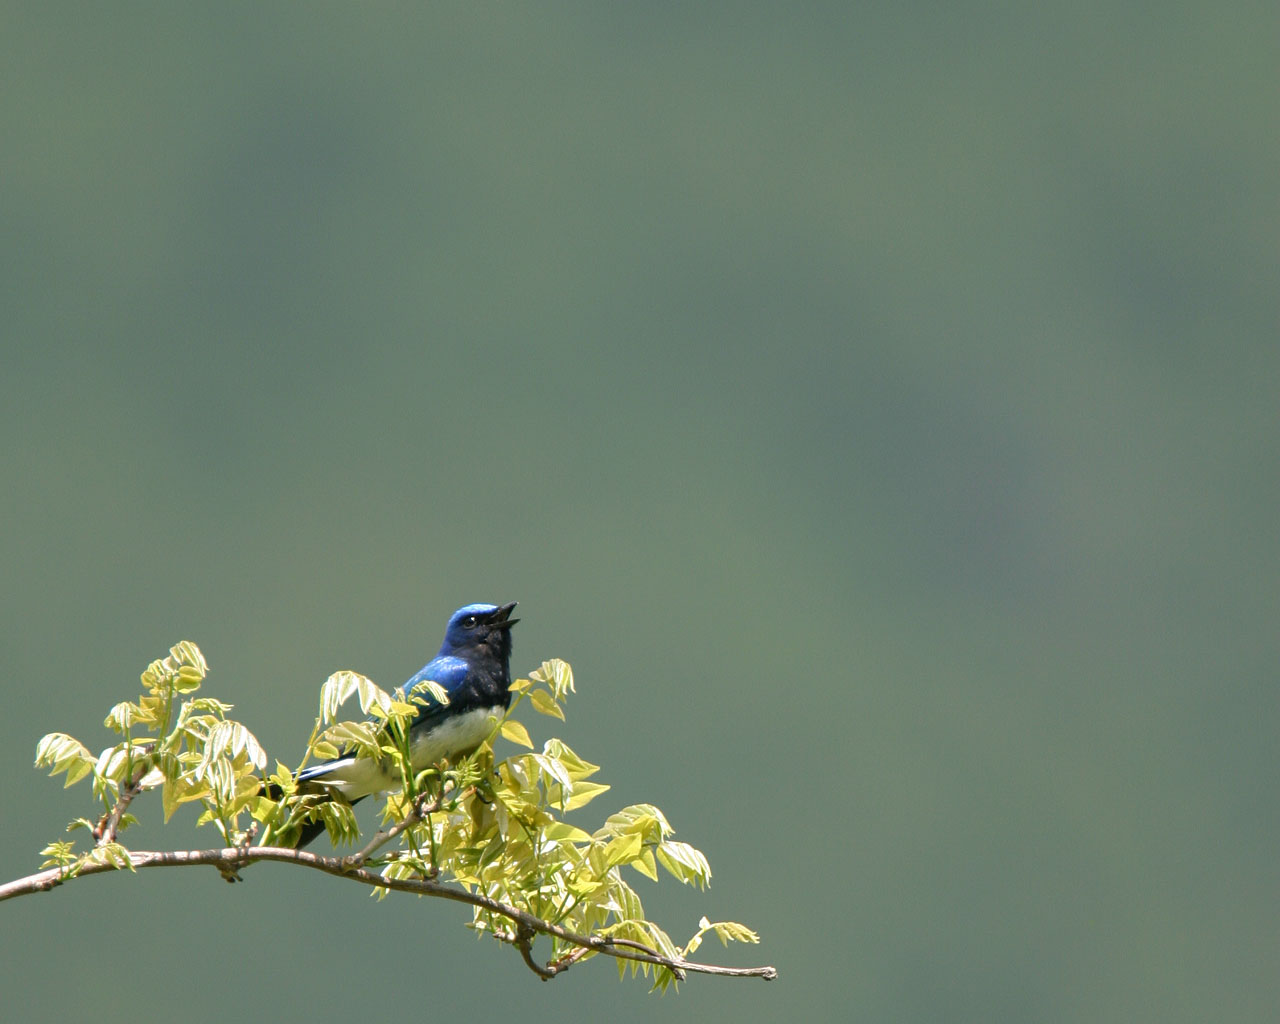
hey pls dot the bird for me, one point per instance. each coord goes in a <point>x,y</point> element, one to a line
<point>473,666</point>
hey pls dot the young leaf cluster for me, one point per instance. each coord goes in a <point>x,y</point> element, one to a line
<point>171,739</point>
<point>497,829</point>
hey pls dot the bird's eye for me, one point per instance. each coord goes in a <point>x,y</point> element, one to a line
<point>470,621</point>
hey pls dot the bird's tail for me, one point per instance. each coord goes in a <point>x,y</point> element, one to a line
<point>309,830</point>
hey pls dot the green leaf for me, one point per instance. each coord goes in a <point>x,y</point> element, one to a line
<point>644,819</point>
<point>583,794</point>
<point>685,863</point>
<point>184,652</point>
<point>516,733</point>
<point>113,854</point>
<point>122,716</point>
<point>113,762</point>
<point>557,674</point>
<point>228,739</point>
<point>731,931</point>
<point>341,685</point>
<point>645,865</point>
<point>339,821</point>
<point>187,679</point>
<point>77,772</point>
<point>545,704</point>
<point>431,689</point>
<point>492,851</point>
<point>64,754</point>
<point>57,749</point>
<point>553,770</point>
<point>207,705</point>
<point>357,733</point>
<point>561,831</point>
<point>576,766</point>
<point>623,850</point>
<point>664,978</point>
<point>178,792</point>
<point>58,854</point>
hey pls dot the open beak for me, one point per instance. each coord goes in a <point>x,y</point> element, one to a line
<point>502,617</point>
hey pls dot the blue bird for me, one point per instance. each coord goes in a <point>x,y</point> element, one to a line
<point>474,667</point>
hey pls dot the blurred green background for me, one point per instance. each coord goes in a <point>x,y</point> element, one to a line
<point>875,403</point>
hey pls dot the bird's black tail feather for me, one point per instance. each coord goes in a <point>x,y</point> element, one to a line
<point>309,830</point>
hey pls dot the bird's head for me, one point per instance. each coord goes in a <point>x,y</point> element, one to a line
<point>480,627</point>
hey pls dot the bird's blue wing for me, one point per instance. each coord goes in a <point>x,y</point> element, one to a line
<point>445,670</point>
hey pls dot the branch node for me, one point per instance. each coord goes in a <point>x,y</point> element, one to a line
<point>523,941</point>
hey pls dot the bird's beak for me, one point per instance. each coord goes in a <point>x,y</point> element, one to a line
<point>502,617</point>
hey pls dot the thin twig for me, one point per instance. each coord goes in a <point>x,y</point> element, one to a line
<point>109,824</point>
<point>420,809</point>
<point>563,963</point>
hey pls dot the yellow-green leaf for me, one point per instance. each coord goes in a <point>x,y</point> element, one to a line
<point>557,674</point>
<point>645,865</point>
<point>545,704</point>
<point>187,679</point>
<point>77,772</point>
<point>584,793</point>
<point>560,831</point>
<point>431,689</point>
<point>574,765</point>
<point>516,733</point>
<point>623,850</point>
<point>493,849</point>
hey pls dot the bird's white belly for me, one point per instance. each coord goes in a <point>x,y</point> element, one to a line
<point>456,735</point>
<point>451,738</point>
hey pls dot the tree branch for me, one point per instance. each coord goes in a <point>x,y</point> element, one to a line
<point>423,806</point>
<point>523,941</point>
<point>109,824</point>
<point>229,860</point>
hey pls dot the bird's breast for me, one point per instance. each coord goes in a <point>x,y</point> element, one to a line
<point>452,736</point>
